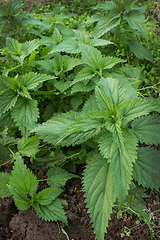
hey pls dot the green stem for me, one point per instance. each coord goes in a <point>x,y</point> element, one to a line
<point>127,208</point>
<point>42,180</point>
<point>5,163</point>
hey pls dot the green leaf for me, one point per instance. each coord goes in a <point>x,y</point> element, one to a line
<point>8,100</point>
<point>121,164</point>
<point>99,193</point>
<point>47,195</point>
<point>76,101</point>
<point>4,180</point>
<point>3,83</point>
<point>109,62</point>
<point>31,80</point>
<point>70,63</point>
<point>147,168</point>
<point>107,145</point>
<point>22,179</point>
<point>57,37</point>
<point>69,129</point>
<point>100,42</point>
<point>126,82</point>
<point>62,86</point>
<point>106,23</point>
<point>105,6</point>
<point>84,75</point>
<point>138,204</point>
<point>91,56</point>
<point>51,212</point>
<point>16,4</point>
<point>21,201</point>
<point>57,177</point>
<point>90,104</point>
<point>24,92</point>
<point>137,107</point>
<point>30,46</point>
<point>28,146</point>
<point>136,20</point>
<point>104,102</point>
<point>147,129</point>
<point>13,46</point>
<point>140,51</point>
<point>68,45</point>
<point>82,87</point>
<point>25,111</point>
<point>111,88</point>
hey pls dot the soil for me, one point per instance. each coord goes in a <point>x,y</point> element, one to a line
<point>19,225</point>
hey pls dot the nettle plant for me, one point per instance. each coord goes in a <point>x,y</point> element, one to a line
<point>114,120</point>
<point>22,185</point>
<point>124,23</point>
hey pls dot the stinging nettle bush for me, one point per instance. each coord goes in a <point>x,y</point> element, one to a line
<point>48,68</point>
<point>115,119</point>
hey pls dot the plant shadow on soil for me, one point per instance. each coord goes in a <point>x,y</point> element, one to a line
<point>18,225</point>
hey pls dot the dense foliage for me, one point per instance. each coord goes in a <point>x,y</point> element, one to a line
<point>80,90</point>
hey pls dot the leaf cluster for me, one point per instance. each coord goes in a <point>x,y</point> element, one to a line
<point>117,119</point>
<point>22,184</point>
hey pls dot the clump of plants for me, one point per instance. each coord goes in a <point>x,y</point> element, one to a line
<point>73,94</point>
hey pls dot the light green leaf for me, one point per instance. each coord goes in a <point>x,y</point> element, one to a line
<point>69,129</point>
<point>111,88</point>
<point>68,45</point>
<point>99,193</point>
<point>100,42</point>
<point>147,168</point>
<point>107,145</point>
<point>62,86</point>
<point>140,51</point>
<point>51,212</point>
<point>137,107</point>
<point>25,111</point>
<point>24,92</point>
<point>57,177</point>
<point>4,181</point>
<point>31,80</point>
<point>22,179</point>
<point>105,6</point>
<point>13,46</point>
<point>21,201</point>
<point>91,56</point>
<point>121,164</point>
<point>47,195</point>
<point>81,87</point>
<point>84,75</point>
<point>104,102</point>
<point>106,23</point>
<point>30,46</point>
<point>8,100</point>
<point>28,146</point>
<point>57,37</point>
<point>69,63</point>
<point>147,129</point>
<point>109,62</point>
<point>136,20</point>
